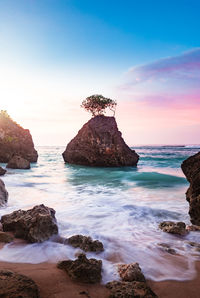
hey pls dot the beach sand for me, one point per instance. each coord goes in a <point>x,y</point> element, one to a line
<point>54,283</point>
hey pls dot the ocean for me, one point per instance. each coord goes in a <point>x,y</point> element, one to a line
<point>122,207</point>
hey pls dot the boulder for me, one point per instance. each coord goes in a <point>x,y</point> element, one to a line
<point>3,193</point>
<point>125,289</point>
<point>2,171</point>
<point>178,228</point>
<point>14,285</point>
<point>131,272</point>
<point>191,169</point>
<point>5,237</point>
<point>82,269</point>
<point>99,143</point>
<point>15,140</point>
<point>17,162</point>
<point>34,225</point>
<point>85,243</point>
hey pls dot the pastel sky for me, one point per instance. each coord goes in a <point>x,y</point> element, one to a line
<point>145,54</point>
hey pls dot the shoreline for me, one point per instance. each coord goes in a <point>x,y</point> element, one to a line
<point>55,283</point>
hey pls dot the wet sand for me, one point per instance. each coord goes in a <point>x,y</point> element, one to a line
<point>54,283</point>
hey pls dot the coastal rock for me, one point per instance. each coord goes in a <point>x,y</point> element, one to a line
<point>85,243</point>
<point>131,272</point>
<point>14,285</point>
<point>17,162</point>
<point>2,171</point>
<point>99,143</point>
<point>34,225</point>
<point>3,194</point>
<point>191,169</point>
<point>5,237</point>
<point>167,248</point>
<point>82,269</point>
<point>125,289</point>
<point>15,140</point>
<point>178,228</point>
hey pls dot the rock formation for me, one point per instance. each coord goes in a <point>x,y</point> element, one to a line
<point>6,237</point>
<point>2,171</point>
<point>82,269</point>
<point>15,140</point>
<point>191,169</point>
<point>131,272</point>
<point>34,225</point>
<point>85,243</point>
<point>125,289</point>
<point>3,194</point>
<point>99,143</point>
<point>14,285</point>
<point>18,162</point>
<point>178,228</point>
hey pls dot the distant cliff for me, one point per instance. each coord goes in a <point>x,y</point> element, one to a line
<point>99,143</point>
<point>15,140</point>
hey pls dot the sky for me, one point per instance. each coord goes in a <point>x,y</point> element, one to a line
<point>144,54</point>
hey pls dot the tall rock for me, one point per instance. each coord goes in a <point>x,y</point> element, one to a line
<point>99,143</point>
<point>3,194</point>
<point>15,140</point>
<point>191,169</point>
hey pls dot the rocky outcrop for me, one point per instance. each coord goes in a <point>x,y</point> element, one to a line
<point>14,285</point>
<point>99,143</point>
<point>17,162</point>
<point>125,289</point>
<point>191,169</point>
<point>131,272</point>
<point>5,237</point>
<point>15,140</point>
<point>2,171</point>
<point>85,243</point>
<point>3,194</point>
<point>34,225</point>
<point>171,227</point>
<point>82,269</point>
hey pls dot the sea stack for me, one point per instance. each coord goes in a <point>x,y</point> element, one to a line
<point>99,144</point>
<point>15,140</point>
<point>191,169</point>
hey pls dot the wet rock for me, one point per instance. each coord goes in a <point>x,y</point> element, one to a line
<point>131,272</point>
<point>194,244</point>
<point>178,228</point>
<point>3,194</point>
<point>191,169</point>
<point>85,243</point>
<point>99,143</point>
<point>34,225</point>
<point>2,171</point>
<point>124,289</point>
<point>14,285</point>
<point>193,228</point>
<point>15,140</point>
<point>82,269</point>
<point>5,237</point>
<point>166,247</point>
<point>17,162</point>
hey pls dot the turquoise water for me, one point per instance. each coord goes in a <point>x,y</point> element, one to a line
<point>121,207</point>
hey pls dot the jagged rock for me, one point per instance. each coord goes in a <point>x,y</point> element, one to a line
<point>2,171</point>
<point>125,289</point>
<point>82,269</point>
<point>15,140</point>
<point>34,225</point>
<point>85,243</point>
<point>99,143</point>
<point>5,237</point>
<point>14,285</point>
<point>17,162</point>
<point>173,227</point>
<point>3,194</point>
<point>191,169</point>
<point>131,272</point>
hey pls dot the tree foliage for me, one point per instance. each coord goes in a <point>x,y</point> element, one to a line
<point>97,104</point>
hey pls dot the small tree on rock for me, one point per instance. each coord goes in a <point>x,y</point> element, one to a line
<point>97,104</point>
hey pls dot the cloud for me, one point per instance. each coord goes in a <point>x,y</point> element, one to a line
<point>185,67</point>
